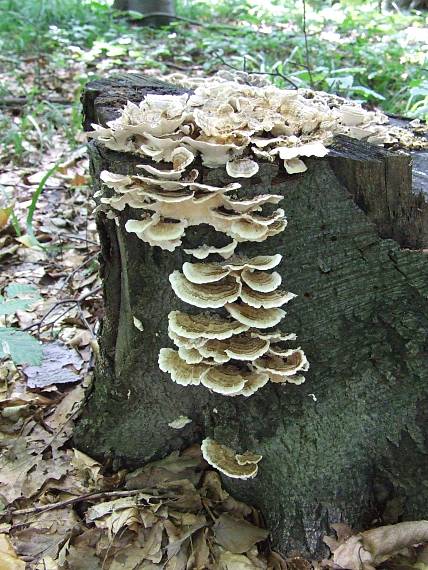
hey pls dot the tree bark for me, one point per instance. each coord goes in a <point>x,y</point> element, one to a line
<point>162,10</point>
<point>351,443</point>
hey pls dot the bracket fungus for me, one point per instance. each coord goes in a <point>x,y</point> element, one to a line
<point>235,465</point>
<point>236,354</point>
<point>232,346</point>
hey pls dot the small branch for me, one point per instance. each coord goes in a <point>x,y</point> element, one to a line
<point>39,324</point>
<point>77,269</point>
<point>21,101</point>
<point>308,64</point>
<point>73,501</point>
<point>271,74</point>
<point>212,26</point>
<point>275,74</point>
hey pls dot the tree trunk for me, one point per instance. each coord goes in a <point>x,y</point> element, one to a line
<point>351,443</point>
<point>162,10</point>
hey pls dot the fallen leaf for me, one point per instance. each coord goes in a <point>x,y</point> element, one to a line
<point>229,561</point>
<point>60,365</point>
<point>44,533</point>
<point>237,536</point>
<point>4,217</point>
<point>8,558</point>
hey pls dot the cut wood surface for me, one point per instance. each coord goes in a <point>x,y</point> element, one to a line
<point>351,443</point>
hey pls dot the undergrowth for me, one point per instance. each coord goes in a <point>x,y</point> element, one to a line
<point>354,48</point>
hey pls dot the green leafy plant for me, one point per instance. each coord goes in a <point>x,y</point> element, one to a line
<point>19,345</point>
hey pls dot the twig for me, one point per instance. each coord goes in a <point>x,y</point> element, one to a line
<point>21,101</point>
<point>77,238</point>
<point>276,74</point>
<point>73,501</point>
<point>77,269</point>
<point>218,26</point>
<point>308,64</point>
<point>181,67</point>
<point>272,74</point>
<point>39,324</point>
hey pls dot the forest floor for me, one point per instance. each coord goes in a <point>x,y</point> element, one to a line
<point>58,507</point>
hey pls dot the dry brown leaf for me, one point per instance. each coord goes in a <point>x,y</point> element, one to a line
<point>172,468</point>
<point>237,536</point>
<point>130,558</point>
<point>370,548</point>
<point>14,466</point>
<point>199,554</point>
<point>43,534</point>
<point>229,561</point>
<point>8,557</point>
<point>152,544</point>
<point>68,407</point>
<point>60,366</point>
<point>86,467</point>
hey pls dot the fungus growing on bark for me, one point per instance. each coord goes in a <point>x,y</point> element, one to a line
<point>295,166</point>
<point>242,168</point>
<point>203,251</point>
<point>223,379</point>
<point>181,157</point>
<point>204,272</point>
<point>222,123</point>
<point>226,460</point>
<point>180,422</point>
<point>205,325</point>
<point>282,365</point>
<point>261,281</point>
<point>180,372</point>
<point>190,204</point>
<point>254,380</point>
<point>245,347</point>
<point>267,300</point>
<point>155,231</point>
<point>206,295</point>
<point>258,318</point>
<point>190,355</point>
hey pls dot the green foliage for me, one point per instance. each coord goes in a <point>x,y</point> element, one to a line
<point>28,24</point>
<point>19,345</point>
<point>35,198</point>
<point>18,297</point>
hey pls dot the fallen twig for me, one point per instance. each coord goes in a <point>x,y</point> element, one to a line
<point>271,74</point>
<point>40,323</point>
<point>88,497</point>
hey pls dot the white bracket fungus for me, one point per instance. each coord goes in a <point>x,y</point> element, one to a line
<point>235,465</point>
<point>180,422</point>
<point>232,348</point>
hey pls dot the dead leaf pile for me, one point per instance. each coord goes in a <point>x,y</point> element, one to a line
<point>171,514</point>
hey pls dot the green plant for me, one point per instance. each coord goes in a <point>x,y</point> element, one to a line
<point>33,205</point>
<point>19,345</point>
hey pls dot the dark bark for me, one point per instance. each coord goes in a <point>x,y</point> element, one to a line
<point>351,443</point>
<point>155,12</point>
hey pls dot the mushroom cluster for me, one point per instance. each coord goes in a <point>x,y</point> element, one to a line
<point>231,123</point>
<point>237,352</point>
<point>168,207</point>
<point>229,341</point>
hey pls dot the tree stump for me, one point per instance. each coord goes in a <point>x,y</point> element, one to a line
<point>351,443</point>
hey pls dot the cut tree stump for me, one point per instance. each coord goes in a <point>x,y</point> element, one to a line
<point>351,444</point>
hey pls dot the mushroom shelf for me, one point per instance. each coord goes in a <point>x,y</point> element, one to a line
<point>211,304</point>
